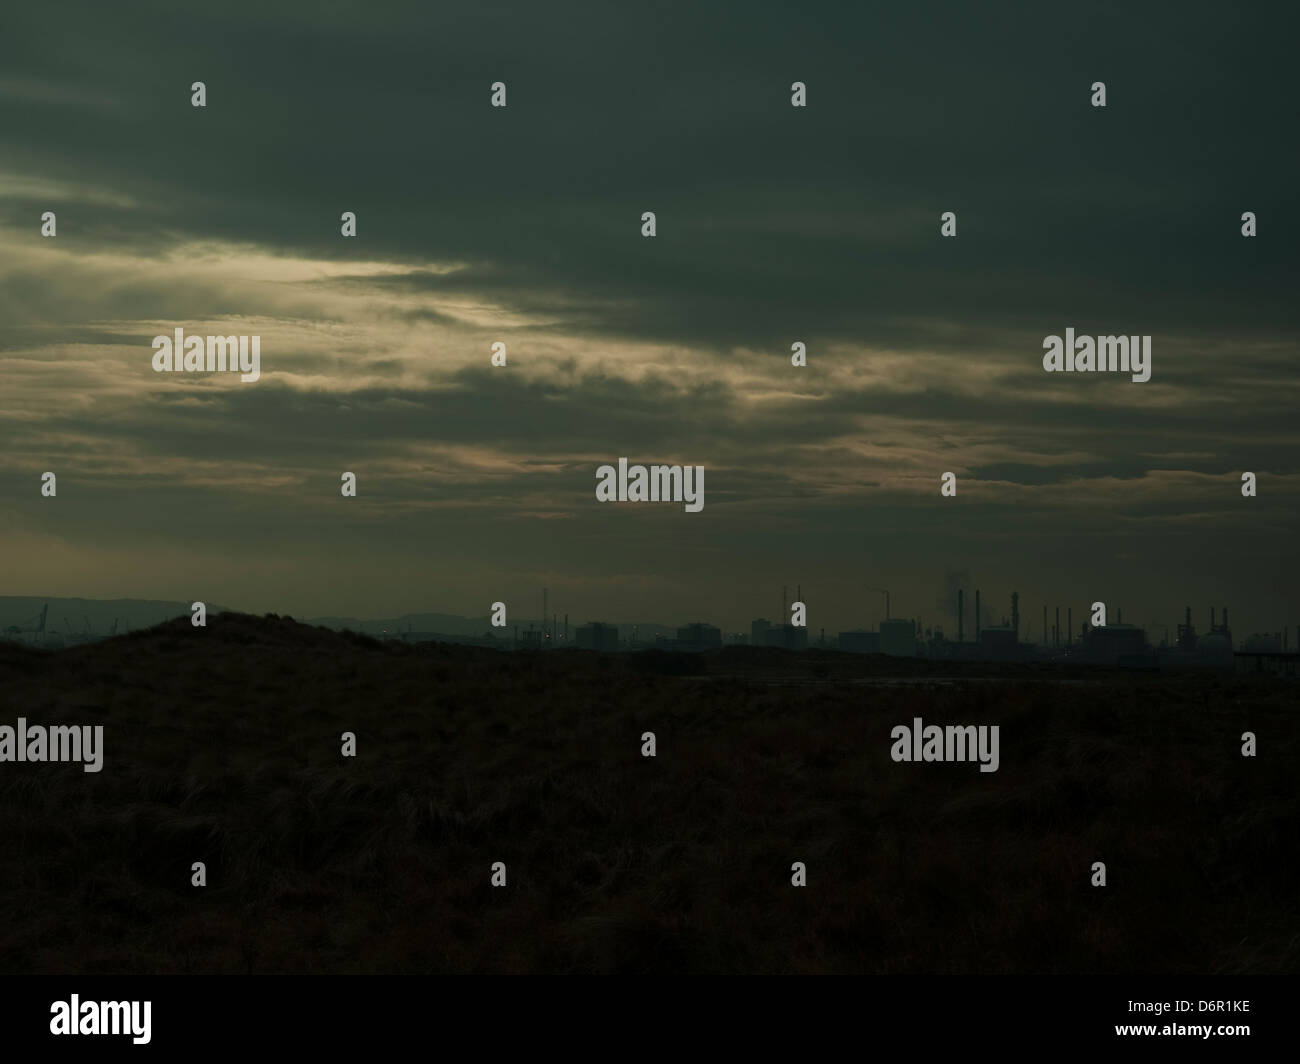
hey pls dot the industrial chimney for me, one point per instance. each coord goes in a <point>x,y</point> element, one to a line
<point>1015,614</point>
<point>960,615</point>
<point>978,620</point>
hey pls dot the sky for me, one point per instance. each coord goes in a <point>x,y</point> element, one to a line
<point>775,224</point>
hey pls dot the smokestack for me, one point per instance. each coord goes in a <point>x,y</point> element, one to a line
<point>566,627</point>
<point>1189,617</point>
<point>1056,628</point>
<point>1225,616</point>
<point>960,616</point>
<point>1069,624</point>
<point>546,611</point>
<point>1119,615</point>
<point>1045,637</point>
<point>1211,618</point>
<point>1015,613</point>
<point>978,619</point>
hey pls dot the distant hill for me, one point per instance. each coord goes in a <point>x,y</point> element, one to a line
<point>72,613</point>
<point>451,623</point>
<point>455,624</point>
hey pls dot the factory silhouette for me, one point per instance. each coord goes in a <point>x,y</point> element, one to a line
<point>1114,644</point>
<point>1118,644</point>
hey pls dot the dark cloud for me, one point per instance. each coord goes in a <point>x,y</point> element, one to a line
<point>775,224</point>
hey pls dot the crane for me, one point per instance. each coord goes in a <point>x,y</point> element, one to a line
<point>34,625</point>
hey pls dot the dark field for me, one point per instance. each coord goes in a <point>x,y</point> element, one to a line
<point>222,745</point>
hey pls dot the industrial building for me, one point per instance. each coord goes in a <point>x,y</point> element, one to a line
<point>698,636</point>
<point>597,636</point>
<point>860,641</point>
<point>1117,644</point>
<point>763,633</point>
<point>789,636</point>
<point>1266,663</point>
<point>898,638</point>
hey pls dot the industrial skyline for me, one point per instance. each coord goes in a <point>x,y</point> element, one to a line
<point>989,638</point>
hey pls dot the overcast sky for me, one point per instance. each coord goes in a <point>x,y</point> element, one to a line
<point>775,224</point>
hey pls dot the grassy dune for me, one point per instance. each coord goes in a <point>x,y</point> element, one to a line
<point>222,745</point>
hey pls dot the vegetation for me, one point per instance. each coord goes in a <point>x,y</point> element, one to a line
<point>222,745</point>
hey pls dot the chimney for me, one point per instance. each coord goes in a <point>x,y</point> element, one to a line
<point>1189,617</point>
<point>1045,638</point>
<point>1225,616</point>
<point>1015,613</point>
<point>960,616</point>
<point>1069,624</point>
<point>1211,619</point>
<point>1119,615</point>
<point>978,620</point>
<point>1056,628</point>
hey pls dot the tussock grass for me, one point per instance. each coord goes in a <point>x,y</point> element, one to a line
<point>222,745</point>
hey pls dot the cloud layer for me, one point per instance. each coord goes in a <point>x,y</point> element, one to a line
<point>775,224</point>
